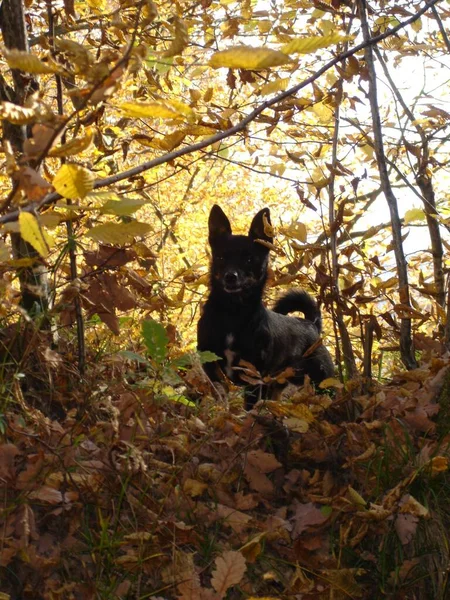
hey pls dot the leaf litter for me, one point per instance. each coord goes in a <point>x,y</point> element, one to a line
<point>122,494</point>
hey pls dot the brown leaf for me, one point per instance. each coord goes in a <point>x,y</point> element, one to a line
<point>8,453</point>
<point>34,186</point>
<point>343,580</point>
<point>193,488</point>
<point>109,256</point>
<point>230,568</point>
<point>69,8</point>
<point>190,589</point>
<point>263,461</point>
<point>405,526</point>
<point>257,480</point>
<point>237,520</point>
<point>121,297</point>
<point>42,135</point>
<point>47,494</point>
<point>305,516</point>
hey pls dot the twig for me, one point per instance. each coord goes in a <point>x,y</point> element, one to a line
<point>336,300</point>
<point>170,156</point>
<point>406,344</point>
<point>425,184</point>
<point>441,27</point>
<point>69,225</point>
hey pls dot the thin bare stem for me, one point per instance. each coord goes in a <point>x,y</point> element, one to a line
<point>425,184</point>
<point>69,225</point>
<point>406,343</point>
<point>337,303</point>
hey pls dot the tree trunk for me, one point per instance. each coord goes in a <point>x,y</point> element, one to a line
<point>33,280</point>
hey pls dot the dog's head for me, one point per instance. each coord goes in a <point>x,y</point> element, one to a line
<point>239,262</point>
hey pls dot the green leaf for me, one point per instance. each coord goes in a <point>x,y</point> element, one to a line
<point>156,340</point>
<point>414,214</point>
<point>133,356</point>
<point>185,360</point>
<point>207,356</point>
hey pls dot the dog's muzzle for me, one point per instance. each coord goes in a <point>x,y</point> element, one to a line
<point>231,282</point>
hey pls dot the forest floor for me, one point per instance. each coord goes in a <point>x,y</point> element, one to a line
<point>115,488</point>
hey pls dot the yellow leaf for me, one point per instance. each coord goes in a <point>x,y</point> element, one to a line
<point>31,232</point>
<point>4,252</point>
<point>252,549</point>
<point>439,464</point>
<point>118,233</point>
<point>21,263</point>
<point>180,41</point>
<point>298,411</point>
<point>169,109</point>
<point>121,207</point>
<point>323,112</point>
<point>414,214</point>
<point>279,85</point>
<point>311,44</point>
<point>193,488</point>
<point>297,231</point>
<point>297,425</point>
<point>19,115</point>
<point>248,57</point>
<point>199,130</point>
<point>330,382</point>
<point>73,181</point>
<point>30,63</point>
<point>417,25</point>
<point>99,6</point>
<point>75,146</point>
<point>355,498</point>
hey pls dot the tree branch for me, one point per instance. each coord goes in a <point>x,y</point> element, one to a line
<point>406,344</point>
<point>241,126</point>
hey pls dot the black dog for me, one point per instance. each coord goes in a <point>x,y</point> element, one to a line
<point>236,326</point>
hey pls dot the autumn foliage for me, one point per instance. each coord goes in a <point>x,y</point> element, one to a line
<point>124,473</point>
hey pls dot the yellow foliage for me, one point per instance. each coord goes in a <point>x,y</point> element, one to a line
<point>32,233</point>
<point>248,57</point>
<point>311,44</point>
<point>30,63</point>
<point>73,181</point>
<point>75,146</point>
<point>167,109</point>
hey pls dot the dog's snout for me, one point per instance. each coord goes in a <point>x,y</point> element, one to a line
<point>231,277</point>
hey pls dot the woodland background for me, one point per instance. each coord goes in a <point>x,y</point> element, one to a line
<point>122,474</point>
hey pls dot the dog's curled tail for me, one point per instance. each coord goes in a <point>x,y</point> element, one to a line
<point>299,300</point>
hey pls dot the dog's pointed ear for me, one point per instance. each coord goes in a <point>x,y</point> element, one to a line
<point>257,230</point>
<point>218,224</point>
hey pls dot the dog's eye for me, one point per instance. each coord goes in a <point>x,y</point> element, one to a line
<point>249,260</point>
<point>220,259</point>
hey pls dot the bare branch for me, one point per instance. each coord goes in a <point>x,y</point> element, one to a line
<point>239,127</point>
<point>406,344</point>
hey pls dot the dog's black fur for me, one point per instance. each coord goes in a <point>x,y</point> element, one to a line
<point>236,326</point>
